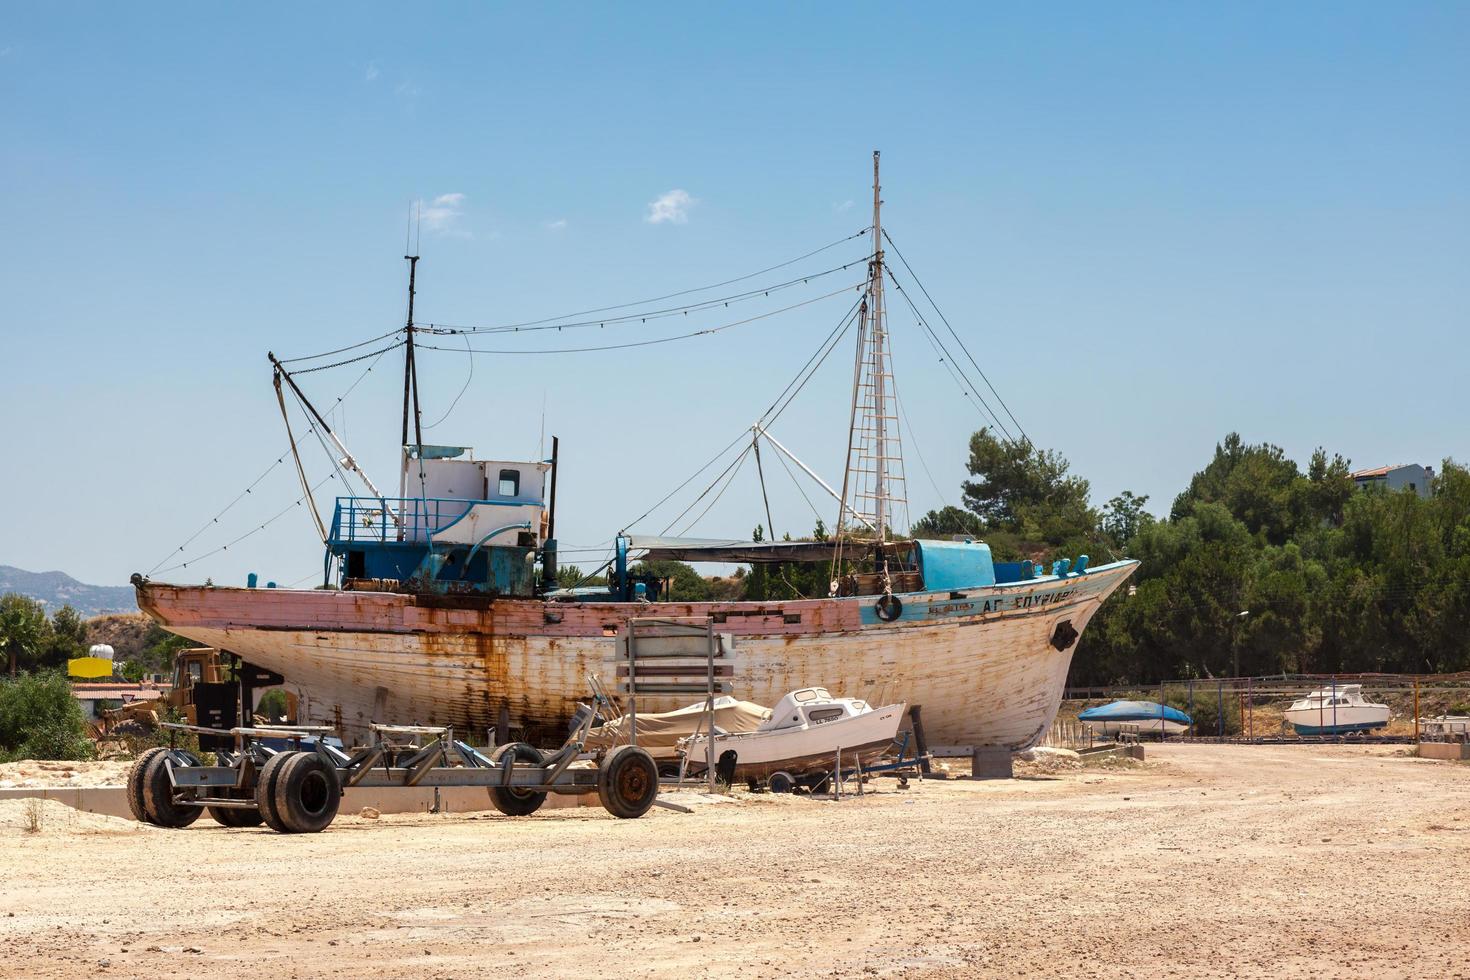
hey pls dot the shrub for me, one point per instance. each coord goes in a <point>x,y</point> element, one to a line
<point>39,719</point>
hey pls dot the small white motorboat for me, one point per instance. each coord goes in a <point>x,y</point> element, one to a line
<point>802,737</point>
<point>1337,710</point>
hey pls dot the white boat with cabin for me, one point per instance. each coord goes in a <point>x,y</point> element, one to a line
<point>803,736</point>
<point>1336,710</point>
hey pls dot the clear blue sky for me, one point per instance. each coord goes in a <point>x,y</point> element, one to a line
<point>1152,223</point>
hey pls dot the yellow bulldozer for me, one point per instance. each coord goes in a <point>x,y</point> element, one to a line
<point>205,691</point>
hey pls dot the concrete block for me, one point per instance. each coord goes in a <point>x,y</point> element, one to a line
<point>1455,751</point>
<point>1133,750</point>
<point>990,762</point>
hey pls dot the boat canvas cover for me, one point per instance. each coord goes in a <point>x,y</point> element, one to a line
<point>660,733</point>
<point>1134,711</point>
<point>724,550</point>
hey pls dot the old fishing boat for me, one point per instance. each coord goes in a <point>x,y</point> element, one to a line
<point>441,605</point>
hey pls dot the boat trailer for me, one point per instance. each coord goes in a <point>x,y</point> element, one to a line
<point>295,785</point>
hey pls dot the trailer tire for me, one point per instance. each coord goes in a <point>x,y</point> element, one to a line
<point>627,781</point>
<point>135,784</point>
<point>265,791</point>
<point>158,797</point>
<point>781,782</point>
<point>229,816</point>
<point>308,793</point>
<point>517,801</point>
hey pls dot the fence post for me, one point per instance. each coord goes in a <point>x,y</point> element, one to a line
<point>1416,713</point>
<point>1191,707</point>
<point>1220,706</point>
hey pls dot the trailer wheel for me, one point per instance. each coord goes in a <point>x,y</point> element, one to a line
<point>265,791</point>
<point>135,784</point>
<point>627,781</point>
<point>308,793</point>
<point>781,782</point>
<point>158,797</point>
<point>229,816</point>
<point>517,801</point>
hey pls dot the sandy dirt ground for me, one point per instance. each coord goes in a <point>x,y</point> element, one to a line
<point>1206,861</point>
<point>30,773</point>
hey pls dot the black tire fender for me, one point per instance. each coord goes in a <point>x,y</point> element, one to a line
<point>307,794</point>
<point>135,784</point>
<point>889,607</point>
<point>517,801</point>
<point>158,796</point>
<point>265,791</point>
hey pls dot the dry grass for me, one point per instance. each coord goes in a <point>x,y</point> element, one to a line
<point>32,816</point>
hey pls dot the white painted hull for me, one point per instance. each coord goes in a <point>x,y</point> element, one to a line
<point>984,669</point>
<point>1360,717</point>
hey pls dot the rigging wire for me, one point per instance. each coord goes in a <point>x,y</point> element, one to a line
<point>739,461</point>
<point>268,470</point>
<point>340,350</point>
<point>698,289</point>
<point>781,457</point>
<point>955,370</point>
<point>818,356</point>
<point>828,343</point>
<point>442,329</point>
<point>449,411</point>
<point>734,465</point>
<point>717,457</point>
<point>956,336</point>
<point>351,360</point>
<point>644,343</point>
<point>255,530</point>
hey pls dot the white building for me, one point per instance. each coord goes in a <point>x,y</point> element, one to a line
<point>1405,476</point>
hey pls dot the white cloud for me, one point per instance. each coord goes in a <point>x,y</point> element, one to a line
<point>406,90</point>
<point>671,208</point>
<point>442,214</point>
<point>558,225</point>
<point>371,72</point>
<point>844,206</point>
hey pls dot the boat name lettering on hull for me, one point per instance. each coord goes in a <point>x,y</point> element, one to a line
<point>1005,603</point>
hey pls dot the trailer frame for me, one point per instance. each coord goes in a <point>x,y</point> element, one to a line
<point>298,789</point>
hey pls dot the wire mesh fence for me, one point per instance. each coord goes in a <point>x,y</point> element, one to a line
<point>1294,707</point>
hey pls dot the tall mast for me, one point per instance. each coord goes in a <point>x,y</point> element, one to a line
<point>880,392</point>
<point>875,456</point>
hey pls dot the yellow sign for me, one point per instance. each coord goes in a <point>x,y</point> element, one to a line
<point>89,667</point>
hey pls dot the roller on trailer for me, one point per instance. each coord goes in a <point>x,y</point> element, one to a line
<point>291,779</point>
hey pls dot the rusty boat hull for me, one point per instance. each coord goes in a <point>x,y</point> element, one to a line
<point>988,665</point>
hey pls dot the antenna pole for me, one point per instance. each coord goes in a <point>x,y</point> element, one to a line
<point>410,381</point>
<point>879,334</point>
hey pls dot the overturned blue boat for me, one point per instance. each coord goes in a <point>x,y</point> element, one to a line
<point>1138,716</point>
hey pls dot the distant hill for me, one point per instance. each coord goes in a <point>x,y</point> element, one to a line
<point>57,589</point>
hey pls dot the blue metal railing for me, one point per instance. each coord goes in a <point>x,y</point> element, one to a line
<point>385,519</point>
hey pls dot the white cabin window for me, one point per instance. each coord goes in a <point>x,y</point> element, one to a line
<point>818,715</point>
<point>510,483</point>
